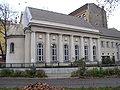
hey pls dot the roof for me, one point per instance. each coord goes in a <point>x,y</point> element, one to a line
<point>50,16</point>
<point>15,29</point>
<point>84,7</point>
<point>112,32</point>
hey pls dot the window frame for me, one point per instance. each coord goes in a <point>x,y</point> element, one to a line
<point>54,53</point>
<point>94,53</point>
<point>77,52</point>
<point>40,52</point>
<point>66,53</point>
<point>12,47</point>
<point>86,52</point>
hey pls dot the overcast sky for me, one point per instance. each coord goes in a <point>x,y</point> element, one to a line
<point>61,6</point>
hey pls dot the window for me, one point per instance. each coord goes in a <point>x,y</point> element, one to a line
<point>112,44</point>
<point>107,44</point>
<point>54,52</point>
<point>86,52</point>
<point>39,52</point>
<point>118,55</point>
<point>76,52</point>
<point>66,53</point>
<point>94,53</point>
<point>12,47</point>
<point>102,43</point>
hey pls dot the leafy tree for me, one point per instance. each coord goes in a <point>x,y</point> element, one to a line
<point>109,5</point>
<point>7,17</point>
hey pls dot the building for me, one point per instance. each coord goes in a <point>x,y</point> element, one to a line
<point>50,37</point>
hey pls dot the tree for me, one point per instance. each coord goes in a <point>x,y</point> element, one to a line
<point>109,5</point>
<point>7,17</point>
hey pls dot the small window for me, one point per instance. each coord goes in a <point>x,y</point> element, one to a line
<point>94,53</point>
<point>66,53</point>
<point>39,52</point>
<point>112,44</point>
<point>86,52</point>
<point>107,44</point>
<point>102,43</point>
<point>54,52</point>
<point>76,52</point>
<point>12,47</point>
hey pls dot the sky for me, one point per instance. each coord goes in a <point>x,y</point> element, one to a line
<point>61,6</point>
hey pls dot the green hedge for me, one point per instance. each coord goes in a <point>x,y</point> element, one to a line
<point>18,73</point>
<point>96,72</point>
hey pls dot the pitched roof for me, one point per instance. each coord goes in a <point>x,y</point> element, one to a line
<point>112,32</point>
<point>50,16</point>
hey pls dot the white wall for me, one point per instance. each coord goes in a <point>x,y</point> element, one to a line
<point>19,53</point>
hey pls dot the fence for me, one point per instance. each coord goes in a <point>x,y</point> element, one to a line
<point>54,65</point>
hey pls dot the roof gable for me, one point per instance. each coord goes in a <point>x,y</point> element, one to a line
<point>50,16</point>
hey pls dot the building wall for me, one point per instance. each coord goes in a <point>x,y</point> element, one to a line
<point>18,56</point>
<point>97,16</point>
<point>71,38</point>
<point>110,50</point>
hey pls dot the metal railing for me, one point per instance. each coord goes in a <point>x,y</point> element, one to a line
<point>54,65</point>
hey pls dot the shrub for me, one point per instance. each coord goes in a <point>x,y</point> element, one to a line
<point>6,73</point>
<point>18,73</point>
<point>26,73</point>
<point>30,73</point>
<point>96,72</point>
<point>40,73</point>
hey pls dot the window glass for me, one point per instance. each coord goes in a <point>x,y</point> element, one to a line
<point>54,52</point>
<point>76,52</point>
<point>66,53</point>
<point>86,52</point>
<point>40,52</point>
<point>12,47</point>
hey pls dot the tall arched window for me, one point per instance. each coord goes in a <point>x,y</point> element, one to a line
<point>12,47</point>
<point>39,52</point>
<point>94,53</point>
<point>54,52</point>
<point>76,52</point>
<point>66,53</point>
<point>86,52</point>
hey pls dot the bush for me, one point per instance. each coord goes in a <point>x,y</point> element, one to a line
<point>26,73</point>
<point>30,73</point>
<point>40,73</point>
<point>6,73</point>
<point>96,72</point>
<point>18,73</point>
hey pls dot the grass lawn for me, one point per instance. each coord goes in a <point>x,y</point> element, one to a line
<point>82,88</point>
<point>91,88</point>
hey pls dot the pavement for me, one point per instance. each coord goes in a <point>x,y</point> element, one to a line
<point>62,82</point>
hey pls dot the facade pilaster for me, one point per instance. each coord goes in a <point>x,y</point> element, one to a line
<point>33,45</point>
<point>72,56</point>
<point>82,47</point>
<point>48,47</point>
<point>27,46</point>
<point>60,48</point>
<point>98,50</point>
<point>91,49</point>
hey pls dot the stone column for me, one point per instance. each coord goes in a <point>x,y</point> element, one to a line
<point>60,48</point>
<point>27,46</point>
<point>98,50</point>
<point>33,45</point>
<point>91,49</point>
<point>72,49</point>
<point>48,48</point>
<point>82,47</point>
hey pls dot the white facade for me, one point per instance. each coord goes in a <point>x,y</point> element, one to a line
<point>51,42</point>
